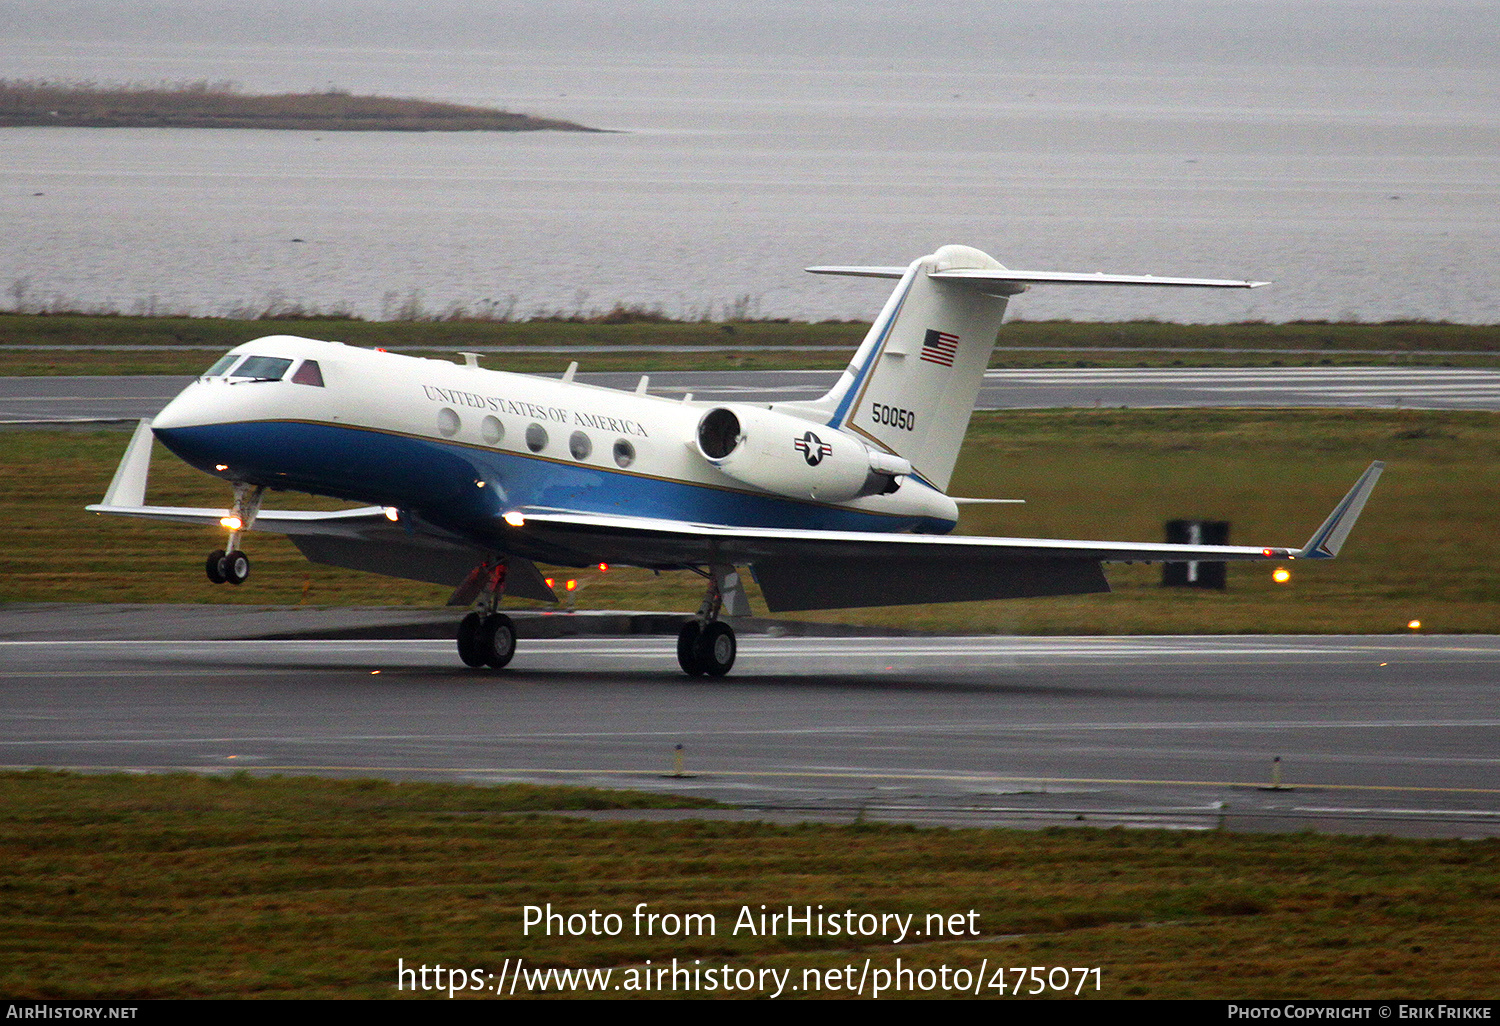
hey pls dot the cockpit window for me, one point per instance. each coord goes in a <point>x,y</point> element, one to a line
<point>262,368</point>
<point>309,374</point>
<point>221,365</point>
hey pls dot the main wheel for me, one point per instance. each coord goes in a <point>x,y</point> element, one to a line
<point>468,640</point>
<point>687,649</point>
<point>235,567</point>
<point>716,648</point>
<point>214,567</point>
<point>497,639</point>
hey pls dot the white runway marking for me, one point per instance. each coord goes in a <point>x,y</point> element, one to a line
<point>1274,386</point>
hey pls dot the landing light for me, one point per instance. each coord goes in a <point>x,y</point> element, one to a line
<point>392,514</point>
<point>571,586</point>
<point>233,523</point>
<point>514,518</point>
<point>1415,625</point>
<point>1281,575</point>
<point>221,466</point>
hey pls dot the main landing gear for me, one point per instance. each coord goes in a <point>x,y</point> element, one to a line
<point>706,648</point>
<point>488,638</point>
<point>706,644</point>
<point>230,565</point>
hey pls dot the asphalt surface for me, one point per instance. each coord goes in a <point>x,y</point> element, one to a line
<point>1384,734</point>
<point>53,399</point>
<point>1374,735</point>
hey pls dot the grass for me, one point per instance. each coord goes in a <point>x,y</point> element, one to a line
<point>1426,547</point>
<point>138,887</point>
<point>205,104</point>
<point>63,338</point>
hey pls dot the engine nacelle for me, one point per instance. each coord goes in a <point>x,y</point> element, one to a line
<point>793,457</point>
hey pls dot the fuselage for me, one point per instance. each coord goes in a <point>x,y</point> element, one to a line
<point>461,445</point>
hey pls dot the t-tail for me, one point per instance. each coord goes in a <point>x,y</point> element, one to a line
<point>912,384</point>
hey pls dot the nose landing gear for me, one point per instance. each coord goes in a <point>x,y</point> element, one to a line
<point>227,568</point>
<point>229,564</point>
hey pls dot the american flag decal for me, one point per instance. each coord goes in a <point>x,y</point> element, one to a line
<point>939,347</point>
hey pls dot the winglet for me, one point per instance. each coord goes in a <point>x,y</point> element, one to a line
<point>129,485</point>
<point>1326,540</point>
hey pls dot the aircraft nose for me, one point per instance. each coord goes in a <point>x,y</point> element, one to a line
<point>187,409</point>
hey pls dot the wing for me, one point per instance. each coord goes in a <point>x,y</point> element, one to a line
<point>796,569</point>
<point>844,569</point>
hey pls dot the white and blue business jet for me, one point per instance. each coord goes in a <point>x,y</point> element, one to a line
<point>468,477</point>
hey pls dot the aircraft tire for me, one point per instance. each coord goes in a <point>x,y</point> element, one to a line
<point>235,567</point>
<point>468,640</point>
<point>687,649</point>
<point>497,640</point>
<point>716,648</point>
<point>215,566</point>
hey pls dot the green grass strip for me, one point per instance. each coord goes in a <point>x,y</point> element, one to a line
<point>181,886</point>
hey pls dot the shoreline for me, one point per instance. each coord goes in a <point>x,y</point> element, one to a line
<point>221,105</point>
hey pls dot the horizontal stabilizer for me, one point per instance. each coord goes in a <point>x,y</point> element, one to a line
<point>1006,276</point>
<point>1009,277</point>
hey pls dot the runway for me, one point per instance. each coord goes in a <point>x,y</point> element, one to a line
<point>1374,734</point>
<point>38,400</point>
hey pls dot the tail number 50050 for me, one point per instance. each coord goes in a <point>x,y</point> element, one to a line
<point>893,416</point>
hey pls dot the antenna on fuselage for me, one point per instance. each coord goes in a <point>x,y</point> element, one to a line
<point>568,374</point>
<point>470,359</point>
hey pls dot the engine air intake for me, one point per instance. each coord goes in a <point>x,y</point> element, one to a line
<point>718,433</point>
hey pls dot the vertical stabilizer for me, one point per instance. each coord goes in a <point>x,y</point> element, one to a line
<point>913,382</point>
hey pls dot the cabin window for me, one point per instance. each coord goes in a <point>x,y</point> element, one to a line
<point>580,446</point>
<point>624,452</point>
<point>536,437</point>
<point>309,374</point>
<point>221,365</point>
<point>492,430</point>
<point>448,422</point>
<point>262,368</point>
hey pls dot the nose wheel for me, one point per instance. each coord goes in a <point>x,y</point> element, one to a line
<point>229,565</point>
<point>227,568</point>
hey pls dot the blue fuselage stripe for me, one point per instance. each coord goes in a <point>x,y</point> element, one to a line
<point>466,487</point>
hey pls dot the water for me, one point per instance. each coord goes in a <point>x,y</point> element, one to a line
<point>1363,191</point>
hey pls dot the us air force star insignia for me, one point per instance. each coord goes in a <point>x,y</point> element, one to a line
<point>812,448</point>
